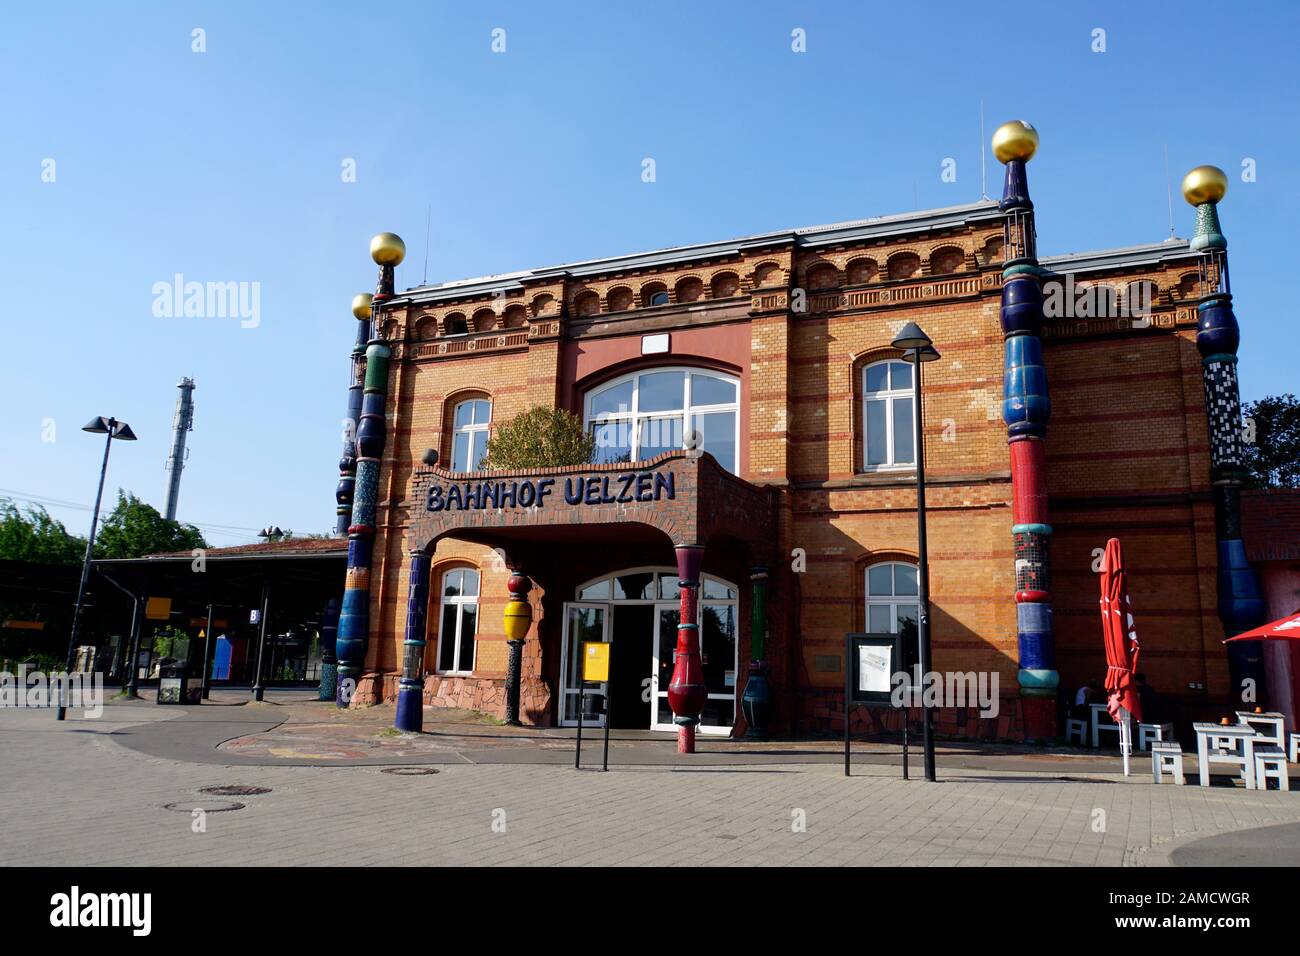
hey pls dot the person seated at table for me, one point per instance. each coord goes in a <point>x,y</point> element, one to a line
<point>1149,700</point>
<point>1084,697</point>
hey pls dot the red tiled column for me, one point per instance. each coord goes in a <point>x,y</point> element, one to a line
<point>686,692</point>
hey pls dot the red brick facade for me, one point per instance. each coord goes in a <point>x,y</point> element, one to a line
<point>795,317</point>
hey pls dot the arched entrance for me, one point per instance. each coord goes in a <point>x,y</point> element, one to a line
<point>637,611</point>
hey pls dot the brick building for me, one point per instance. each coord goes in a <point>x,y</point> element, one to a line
<point>774,350</point>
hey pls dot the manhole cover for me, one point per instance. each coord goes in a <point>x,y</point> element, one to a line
<point>221,806</point>
<point>410,771</point>
<point>235,790</point>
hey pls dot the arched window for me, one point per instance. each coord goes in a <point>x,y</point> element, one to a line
<point>647,413</point>
<point>887,416</point>
<point>457,621</point>
<point>891,598</point>
<point>469,435</point>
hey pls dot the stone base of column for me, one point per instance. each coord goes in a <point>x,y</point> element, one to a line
<point>410,708</point>
<point>514,674</point>
<point>329,681</point>
<point>686,738</point>
<point>1040,717</point>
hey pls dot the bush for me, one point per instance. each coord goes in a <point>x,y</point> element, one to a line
<point>541,437</point>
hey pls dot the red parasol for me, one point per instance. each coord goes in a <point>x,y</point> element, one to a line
<point>1288,628</point>
<point>1119,635</point>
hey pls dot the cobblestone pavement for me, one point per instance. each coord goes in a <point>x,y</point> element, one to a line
<point>72,794</point>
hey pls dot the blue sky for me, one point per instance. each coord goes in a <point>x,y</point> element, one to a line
<point>225,166</point>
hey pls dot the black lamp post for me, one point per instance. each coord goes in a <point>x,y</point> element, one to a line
<point>111,428</point>
<point>917,350</point>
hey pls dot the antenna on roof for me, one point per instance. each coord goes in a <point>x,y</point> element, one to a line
<point>428,218</point>
<point>984,192</point>
<point>1169,194</point>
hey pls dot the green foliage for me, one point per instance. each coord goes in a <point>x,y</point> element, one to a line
<point>541,437</point>
<point>133,529</point>
<point>33,535</point>
<point>1273,450</point>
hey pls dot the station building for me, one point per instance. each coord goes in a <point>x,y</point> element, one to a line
<point>748,404</point>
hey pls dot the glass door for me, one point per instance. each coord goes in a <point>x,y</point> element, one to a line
<point>582,622</point>
<point>667,617</point>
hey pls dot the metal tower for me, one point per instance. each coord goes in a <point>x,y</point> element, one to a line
<point>182,424</point>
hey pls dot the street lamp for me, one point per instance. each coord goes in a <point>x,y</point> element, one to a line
<point>112,428</point>
<point>917,349</point>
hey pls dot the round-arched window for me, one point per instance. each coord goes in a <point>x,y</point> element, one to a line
<point>648,413</point>
<point>892,600</point>
<point>887,410</point>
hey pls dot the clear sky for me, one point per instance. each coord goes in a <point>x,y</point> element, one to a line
<point>227,166</point>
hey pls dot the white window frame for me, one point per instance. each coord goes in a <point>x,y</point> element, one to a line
<point>893,600</point>
<point>633,417</point>
<point>471,430</point>
<point>889,395</point>
<point>460,600</point>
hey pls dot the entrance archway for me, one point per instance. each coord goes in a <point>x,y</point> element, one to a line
<point>637,610</point>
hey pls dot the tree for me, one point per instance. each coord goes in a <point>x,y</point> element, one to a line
<point>37,537</point>
<point>541,437</point>
<point>1272,433</point>
<point>133,529</point>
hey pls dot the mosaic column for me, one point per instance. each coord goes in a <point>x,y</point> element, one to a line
<point>686,691</point>
<point>329,632</point>
<point>1241,604</point>
<point>361,306</point>
<point>757,699</point>
<point>410,690</point>
<point>1026,409</point>
<point>518,618</point>
<point>387,250</point>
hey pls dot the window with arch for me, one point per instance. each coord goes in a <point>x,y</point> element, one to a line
<point>648,413</point>
<point>892,602</point>
<point>469,437</point>
<point>457,620</point>
<point>888,409</point>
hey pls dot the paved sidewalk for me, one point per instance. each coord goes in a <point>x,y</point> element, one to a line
<point>73,794</point>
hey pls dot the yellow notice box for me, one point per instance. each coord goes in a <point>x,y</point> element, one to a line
<point>595,660</point>
<point>158,608</point>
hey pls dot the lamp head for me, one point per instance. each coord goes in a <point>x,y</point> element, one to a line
<point>927,353</point>
<point>910,336</point>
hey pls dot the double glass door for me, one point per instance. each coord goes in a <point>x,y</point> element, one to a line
<point>650,634</point>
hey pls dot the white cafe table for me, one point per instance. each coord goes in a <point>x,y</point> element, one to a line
<point>1212,740</point>
<point>1101,720</point>
<point>1269,726</point>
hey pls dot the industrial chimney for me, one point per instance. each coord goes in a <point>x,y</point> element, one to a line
<point>181,424</point>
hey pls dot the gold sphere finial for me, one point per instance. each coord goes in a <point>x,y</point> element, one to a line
<point>387,249</point>
<point>1205,184</point>
<point>361,305</point>
<point>1015,140</point>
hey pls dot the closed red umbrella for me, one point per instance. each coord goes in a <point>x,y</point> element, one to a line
<point>1120,638</point>
<point>1284,629</point>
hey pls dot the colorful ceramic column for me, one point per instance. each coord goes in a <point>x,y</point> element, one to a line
<point>361,306</point>
<point>410,690</point>
<point>686,691</point>
<point>1026,409</point>
<point>354,621</point>
<point>1241,604</point>
<point>756,702</point>
<point>518,618</point>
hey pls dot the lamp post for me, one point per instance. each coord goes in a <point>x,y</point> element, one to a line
<point>917,350</point>
<point>111,428</point>
<point>271,533</point>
